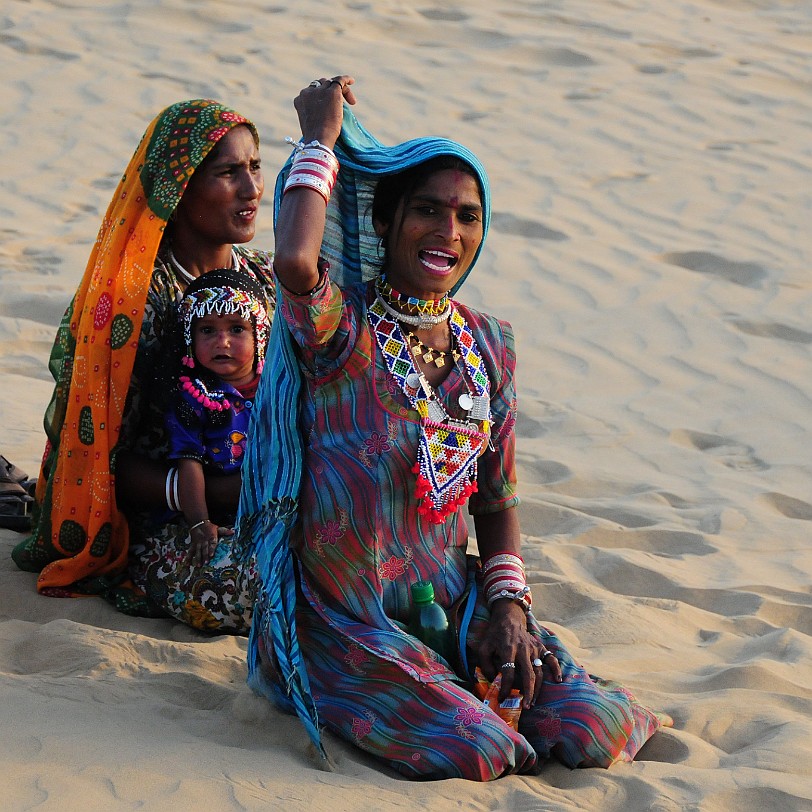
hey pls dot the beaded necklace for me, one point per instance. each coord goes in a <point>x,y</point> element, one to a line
<point>448,449</point>
<point>420,313</point>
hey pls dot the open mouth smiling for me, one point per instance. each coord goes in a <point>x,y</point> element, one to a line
<point>438,261</point>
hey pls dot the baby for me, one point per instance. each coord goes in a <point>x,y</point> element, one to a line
<point>225,329</point>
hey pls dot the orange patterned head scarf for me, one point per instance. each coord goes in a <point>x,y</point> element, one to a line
<point>79,533</point>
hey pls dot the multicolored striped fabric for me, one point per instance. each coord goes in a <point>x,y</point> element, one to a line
<point>329,510</point>
<point>273,464</point>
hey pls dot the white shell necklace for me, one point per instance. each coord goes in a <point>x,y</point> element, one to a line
<point>185,275</point>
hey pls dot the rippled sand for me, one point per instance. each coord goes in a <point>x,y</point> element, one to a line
<point>651,167</point>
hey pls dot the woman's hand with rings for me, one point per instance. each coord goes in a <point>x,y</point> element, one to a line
<point>321,109</point>
<point>508,649</point>
<point>342,81</point>
<point>547,659</point>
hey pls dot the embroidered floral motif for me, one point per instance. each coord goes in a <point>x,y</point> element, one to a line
<point>363,727</point>
<point>465,717</point>
<point>395,566</point>
<point>469,716</point>
<point>549,726</point>
<point>377,444</point>
<point>331,532</point>
<point>508,424</point>
<point>355,658</point>
<point>392,568</point>
<point>392,386</point>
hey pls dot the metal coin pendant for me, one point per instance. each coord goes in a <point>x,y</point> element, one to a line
<point>413,380</point>
<point>465,401</point>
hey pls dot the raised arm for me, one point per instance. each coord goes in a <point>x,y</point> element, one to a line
<point>300,223</point>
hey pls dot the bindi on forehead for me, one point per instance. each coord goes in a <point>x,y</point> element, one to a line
<point>450,188</point>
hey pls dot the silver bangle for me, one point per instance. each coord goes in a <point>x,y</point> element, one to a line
<point>300,145</point>
<point>175,495</point>
<point>520,596</point>
<point>172,489</point>
<point>199,524</point>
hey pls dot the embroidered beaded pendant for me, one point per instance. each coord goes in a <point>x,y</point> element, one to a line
<point>448,449</point>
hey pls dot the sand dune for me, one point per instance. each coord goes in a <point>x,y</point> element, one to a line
<point>651,167</point>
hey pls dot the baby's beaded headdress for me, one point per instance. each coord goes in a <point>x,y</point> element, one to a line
<point>221,291</point>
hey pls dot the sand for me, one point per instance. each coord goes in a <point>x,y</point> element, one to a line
<point>651,167</point>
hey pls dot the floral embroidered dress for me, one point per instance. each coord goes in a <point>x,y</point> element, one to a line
<point>216,439</point>
<point>219,595</point>
<point>361,542</point>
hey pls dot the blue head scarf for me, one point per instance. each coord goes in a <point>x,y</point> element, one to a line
<point>272,466</point>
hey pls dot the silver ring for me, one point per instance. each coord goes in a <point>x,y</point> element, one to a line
<point>547,653</point>
<point>507,665</point>
<point>315,83</point>
<point>537,663</point>
<point>337,82</point>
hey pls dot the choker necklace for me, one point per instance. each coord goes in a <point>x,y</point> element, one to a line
<point>431,307</point>
<point>420,313</point>
<point>184,274</point>
<point>430,354</point>
<point>422,321</point>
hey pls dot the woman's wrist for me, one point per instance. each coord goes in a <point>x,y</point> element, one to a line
<point>503,578</point>
<point>314,166</point>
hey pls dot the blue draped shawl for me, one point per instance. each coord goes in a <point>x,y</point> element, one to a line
<point>272,466</point>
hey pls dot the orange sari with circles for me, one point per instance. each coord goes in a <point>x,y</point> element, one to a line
<point>79,532</point>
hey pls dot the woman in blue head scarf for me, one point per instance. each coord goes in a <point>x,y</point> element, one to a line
<point>404,409</point>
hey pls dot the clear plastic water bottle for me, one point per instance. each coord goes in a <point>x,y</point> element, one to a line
<point>428,621</point>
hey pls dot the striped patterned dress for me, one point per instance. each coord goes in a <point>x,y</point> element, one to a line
<point>360,543</point>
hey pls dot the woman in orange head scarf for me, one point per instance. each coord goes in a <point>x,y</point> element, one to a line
<point>189,196</point>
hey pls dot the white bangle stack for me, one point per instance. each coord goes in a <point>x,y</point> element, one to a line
<point>503,577</point>
<point>314,167</point>
<point>171,490</point>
